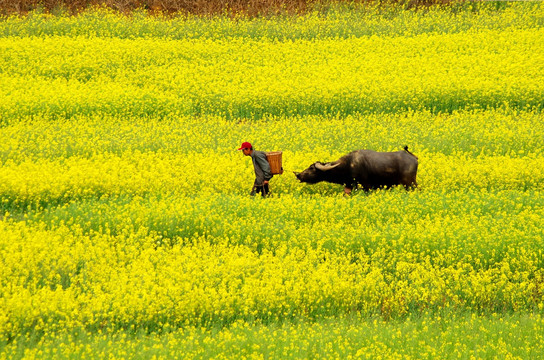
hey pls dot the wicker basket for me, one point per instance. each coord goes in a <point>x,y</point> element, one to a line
<point>274,159</point>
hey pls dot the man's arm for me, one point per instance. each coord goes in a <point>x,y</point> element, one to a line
<point>264,165</point>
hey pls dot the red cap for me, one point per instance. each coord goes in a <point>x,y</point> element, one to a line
<point>245,145</point>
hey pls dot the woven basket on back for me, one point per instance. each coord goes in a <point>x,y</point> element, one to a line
<point>274,159</point>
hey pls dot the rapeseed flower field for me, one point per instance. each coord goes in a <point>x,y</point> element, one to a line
<point>126,225</point>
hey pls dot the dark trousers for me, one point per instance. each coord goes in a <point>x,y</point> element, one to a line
<point>263,189</point>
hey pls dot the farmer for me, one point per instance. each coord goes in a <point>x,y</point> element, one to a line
<point>263,174</point>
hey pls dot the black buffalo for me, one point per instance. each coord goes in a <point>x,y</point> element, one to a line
<point>370,169</point>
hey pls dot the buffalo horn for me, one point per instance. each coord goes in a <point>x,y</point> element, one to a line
<point>326,166</point>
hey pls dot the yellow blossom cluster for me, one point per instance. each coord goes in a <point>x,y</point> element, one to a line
<point>62,76</point>
<point>55,162</point>
<point>125,207</point>
<point>211,260</point>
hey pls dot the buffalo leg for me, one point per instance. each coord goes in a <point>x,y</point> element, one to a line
<point>410,184</point>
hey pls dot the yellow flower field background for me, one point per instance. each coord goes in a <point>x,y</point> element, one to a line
<point>125,206</point>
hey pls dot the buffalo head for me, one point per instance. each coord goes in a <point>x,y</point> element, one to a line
<point>316,172</point>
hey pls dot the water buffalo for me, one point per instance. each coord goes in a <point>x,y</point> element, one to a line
<point>370,169</point>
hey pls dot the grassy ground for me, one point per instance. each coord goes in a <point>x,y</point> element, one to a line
<point>510,336</point>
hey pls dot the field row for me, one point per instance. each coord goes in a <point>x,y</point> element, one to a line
<point>46,182</point>
<point>466,134</point>
<point>428,337</point>
<point>64,77</point>
<point>208,262</point>
<point>46,163</point>
<point>337,21</point>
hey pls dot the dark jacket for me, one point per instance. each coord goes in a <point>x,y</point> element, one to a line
<point>261,166</point>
